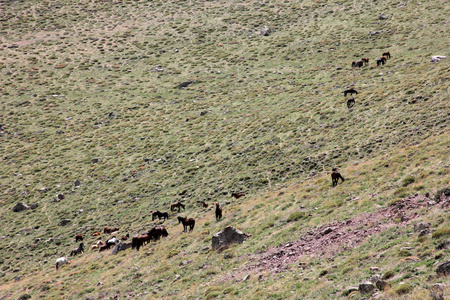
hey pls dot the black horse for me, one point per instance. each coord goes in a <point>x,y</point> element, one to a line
<point>350,102</point>
<point>79,250</point>
<point>159,215</point>
<point>350,91</point>
<point>335,175</point>
<point>218,211</point>
<point>178,205</point>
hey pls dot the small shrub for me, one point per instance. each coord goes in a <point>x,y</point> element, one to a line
<point>408,180</point>
<point>229,290</point>
<point>440,233</point>
<point>445,191</point>
<point>401,192</point>
<point>172,253</point>
<point>295,216</point>
<point>402,289</point>
<point>404,253</point>
<point>387,275</point>
<point>212,295</point>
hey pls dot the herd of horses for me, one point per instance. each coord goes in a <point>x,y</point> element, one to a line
<point>138,241</point>
<point>358,64</point>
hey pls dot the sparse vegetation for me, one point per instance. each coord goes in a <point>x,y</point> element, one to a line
<point>127,106</point>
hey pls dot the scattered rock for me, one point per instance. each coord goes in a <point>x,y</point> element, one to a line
<point>95,160</point>
<point>246,277</point>
<point>184,84</point>
<point>440,193</point>
<point>77,182</point>
<point>366,287</point>
<point>383,16</point>
<point>424,232</point>
<point>382,285</point>
<point>20,207</point>
<point>374,269</point>
<point>443,269</point>
<point>64,222</point>
<point>60,197</point>
<point>34,205</point>
<point>421,226</point>
<point>24,297</point>
<point>120,247</point>
<point>227,236</point>
<point>266,30</point>
<point>327,231</point>
<point>375,278</point>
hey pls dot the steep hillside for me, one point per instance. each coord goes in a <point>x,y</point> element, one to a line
<point>125,107</point>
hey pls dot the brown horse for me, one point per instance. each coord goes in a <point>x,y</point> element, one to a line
<point>159,215</point>
<point>358,64</point>
<point>218,211</point>
<point>187,222</point>
<point>78,237</point>
<point>109,230</point>
<point>387,55</point>
<point>365,60</point>
<point>156,232</point>
<point>96,233</point>
<point>237,195</point>
<point>335,175</point>
<point>138,241</point>
<point>178,205</point>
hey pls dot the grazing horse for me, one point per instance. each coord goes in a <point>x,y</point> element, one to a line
<point>335,175</point>
<point>187,222</point>
<point>178,205</point>
<point>79,250</point>
<point>218,211</point>
<point>96,233</point>
<point>350,102</point>
<point>78,237</point>
<point>96,246</point>
<point>125,237</point>
<point>350,91</point>
<point>159,215</point>
<point>237,195</point>
<point>138,241</point>
<point>387,55</point>
<point>61,261</point>
<point>381,61</point>
<point>205,204</point>
<point>109,230</point>
<point>365,60</point>
<point>157,232</point>
<point>358,64</point>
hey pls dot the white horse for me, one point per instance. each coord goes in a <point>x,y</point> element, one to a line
<point>61,261</point>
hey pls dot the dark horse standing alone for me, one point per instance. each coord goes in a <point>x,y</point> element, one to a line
<point>159,215</point>
<point>187,222</point>
<point>175,205</point>
<point>218,211</point>
<point>335,175</point>
<point>350,91</point>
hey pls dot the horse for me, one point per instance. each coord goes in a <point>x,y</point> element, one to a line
<point>125,237</point>
<point>335,175</point>
<point>96,246</point>
<point>187,222</point>
<point>381,61</point>
<point>365,60</point>
<point>112,241</point>
<point>387,55</point>
<point>178,205</point>
<point>96,233</point>
<point>237,195</point>
<point>104,247</point>
<point>78,237</point>
<point>160,215</point>
<point>157,232</point>
<point>109,230</point>
<point>218,211</point>
<point>79,250</point>
<point>350,102</point>
<point>205,204</point>
<point>358,64</point>
<point>61,261</point>
<point>350,91</point>
<point>138,241</point>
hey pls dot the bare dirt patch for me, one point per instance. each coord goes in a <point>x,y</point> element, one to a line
<point>333,238</point>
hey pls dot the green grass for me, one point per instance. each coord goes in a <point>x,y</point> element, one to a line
<point>265,116</point>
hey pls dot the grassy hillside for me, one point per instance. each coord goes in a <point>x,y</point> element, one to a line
<point>89,93</point>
